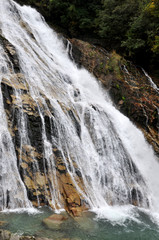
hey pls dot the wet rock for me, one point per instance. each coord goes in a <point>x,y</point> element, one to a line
<point>14,237</point>
<point>129,87</point>
<point>131,94</point>
<point>11,53</point>
<point>85,221</point>
<point>77,54</point>
<point>76,123</point>
<point>55,221</point>
<point>5,235</point>
<point>43,238</point>
<point>36,171</point>
<point>38,238</point>
<point>27,238</point>
<point>2,223</point>
<point>136,197</point>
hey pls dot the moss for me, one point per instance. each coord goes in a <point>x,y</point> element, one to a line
<point>92,54</point>
<point>114,63</point>
<point>101,65</point>
<point>123,98</point>
<point>117,86</point>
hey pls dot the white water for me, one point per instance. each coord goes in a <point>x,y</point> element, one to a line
<point>107,147</point>
<point>153,85</point>
<point>12,189</point>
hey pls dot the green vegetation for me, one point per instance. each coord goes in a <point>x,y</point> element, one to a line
<point>114,18</point>
<point>114,63</point>
<point>131,27</point>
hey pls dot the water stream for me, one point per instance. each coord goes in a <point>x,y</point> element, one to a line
<point>86,228</point>
<point>116,164</point>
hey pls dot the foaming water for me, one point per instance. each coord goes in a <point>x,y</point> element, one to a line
<point>151,81</point>
<point>118,214</point>
<point>88,227</point>
<point>117,166</point>
<point>30,210</point>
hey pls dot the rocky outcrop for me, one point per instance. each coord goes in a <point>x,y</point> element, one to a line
<point>6,235</point>
<point>131,90</point>
<point>23,115</point>
<point>48,179</point>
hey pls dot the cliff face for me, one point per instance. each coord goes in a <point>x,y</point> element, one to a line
<point>23,114</point>
<point>62,146</point>
<point>49,177</point>
<point>54,173</point>
<point>131,89</point>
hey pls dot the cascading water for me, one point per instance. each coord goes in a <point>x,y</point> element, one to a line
<point>12,189</point>
<point>150,80</point>
<point>95,141</point>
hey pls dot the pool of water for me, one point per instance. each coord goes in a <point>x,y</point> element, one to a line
<point>90,226</point>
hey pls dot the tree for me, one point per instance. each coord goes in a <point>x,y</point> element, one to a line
<point>153,9</point>
<point>114,19</point>
<point>75,15</point>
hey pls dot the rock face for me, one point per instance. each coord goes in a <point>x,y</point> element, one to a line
<point>49,177</point>
<point>129,86</point>
<point>23,116</point>
<point>45,161</point>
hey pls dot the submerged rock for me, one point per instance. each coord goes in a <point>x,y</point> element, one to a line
<point>2,223</point>
<point>54,221</point>
<point>6,235</point>
<point>86,222</point>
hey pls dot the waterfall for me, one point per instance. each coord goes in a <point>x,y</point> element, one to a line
<point>154,86</point>
<point>105,156</point>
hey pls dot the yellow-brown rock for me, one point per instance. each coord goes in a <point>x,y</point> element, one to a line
<point>2,223</point>
<point>38,177</point>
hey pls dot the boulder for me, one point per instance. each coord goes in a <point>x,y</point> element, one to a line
<point>4,234</point>
<point>54,221</point>
<point>2,223</point>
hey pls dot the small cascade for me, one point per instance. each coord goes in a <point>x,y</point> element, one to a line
<point>64,144</point>
<point>126,70</point>
<point>150,80</point>
<point>154,86</point>
<point>69,50</point>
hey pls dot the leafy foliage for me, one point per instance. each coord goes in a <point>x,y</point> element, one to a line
<point>131,27</point>
<point>75,15</point>
<point>114,18</point>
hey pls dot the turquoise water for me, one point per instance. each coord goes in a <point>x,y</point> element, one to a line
<point>86,228</point>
